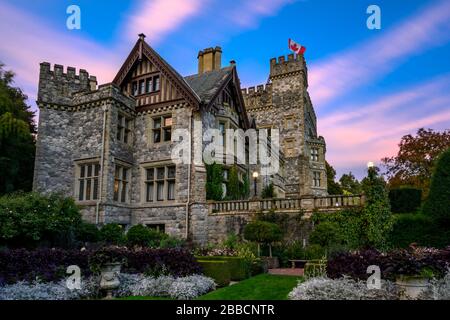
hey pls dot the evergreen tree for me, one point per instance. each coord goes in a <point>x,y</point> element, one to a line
<point>437,205</point>
<point>214,180</point>
<point>332,186</point>
<point>17,145</point>
<point>233,185</point>
<point>376,217</point>
<point>350,184</point>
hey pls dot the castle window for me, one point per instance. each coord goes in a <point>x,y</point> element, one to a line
<point>314,154</point>
<point>162,129</point>
<point>160,183</point>
<point>289,147</point>
<point>121,183</point>
<point>289,122</point>
<point>222,128</point>
<point>135,88</point>
<point>123,129</point>
<point>88,181</point>
<point>142,87</point>
<point>316,179</point>
<point>149,85</point>
<point>156,83</point>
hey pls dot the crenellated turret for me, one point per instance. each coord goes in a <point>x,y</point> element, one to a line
<point>57,87</point>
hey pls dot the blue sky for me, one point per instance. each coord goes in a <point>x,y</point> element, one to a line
<point>369,87</point>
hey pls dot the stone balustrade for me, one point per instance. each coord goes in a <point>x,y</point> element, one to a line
<point>306,203</point>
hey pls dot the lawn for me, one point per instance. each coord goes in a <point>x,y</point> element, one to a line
<point>261,287</point>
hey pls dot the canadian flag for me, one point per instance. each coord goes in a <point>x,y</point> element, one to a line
<point>297,48</point>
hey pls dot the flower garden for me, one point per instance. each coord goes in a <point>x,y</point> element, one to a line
<point>357,254</point>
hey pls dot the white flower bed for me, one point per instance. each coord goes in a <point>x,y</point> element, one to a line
<point>131,285</point>
<point>342,289</point>
<point>439,289</point>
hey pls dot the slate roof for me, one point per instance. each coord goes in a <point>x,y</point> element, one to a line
<point>208,83</point>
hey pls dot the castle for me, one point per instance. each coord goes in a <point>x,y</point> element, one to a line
<point>110,146</point>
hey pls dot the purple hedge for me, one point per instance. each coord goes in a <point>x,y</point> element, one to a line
<point>394,263</point>
<point>50,264</point>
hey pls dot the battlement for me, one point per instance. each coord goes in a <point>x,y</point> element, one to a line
<point>285,65</point>
<point>258,89</point>
<point>57,86</point>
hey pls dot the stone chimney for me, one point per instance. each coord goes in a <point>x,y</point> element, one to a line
<point>209,59</point>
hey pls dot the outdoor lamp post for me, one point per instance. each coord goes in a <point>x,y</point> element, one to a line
<point>255,177</point>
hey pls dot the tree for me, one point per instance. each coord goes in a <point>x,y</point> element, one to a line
<point>350,184</point>
<point>263,232</point>
<point>17,145</point>
<point>214,180</point>
<point>268,192</point>
<point>413,165</point>
<point>233,185</point>
<point>437,205</point>
<point>376,216</point>
<point>333,186</point>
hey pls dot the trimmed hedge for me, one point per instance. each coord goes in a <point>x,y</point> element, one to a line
<point>417,228</point>
<point>218,270</point>
<point>51,264</point>
<point>239,269</point>
<point>437,205</point>
<point>405,199</point>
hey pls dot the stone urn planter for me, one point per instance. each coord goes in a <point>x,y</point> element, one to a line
<point>412,286</point>
<point>110,278</point>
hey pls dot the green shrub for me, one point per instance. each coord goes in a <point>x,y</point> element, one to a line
<point>314,252</point>
<point>238,267</point>
<point>29,219</point>
<point>248,251</point>
<point>171,242</point>
<point>87,232</point>
<point>268,192</point>
<point>418,228</point>
<point>349,223</point>
<point>218,270</point>
<point>139,235</point>
<point>112,233</point>
<point>405,199</point>
<point>437,205</point>
<point>326,234</point>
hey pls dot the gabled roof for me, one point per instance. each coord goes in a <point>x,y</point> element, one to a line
<point>208,86</point>
<point>141,49</point>
<point>208,83</point>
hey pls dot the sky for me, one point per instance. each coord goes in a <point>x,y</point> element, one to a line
<point>368,87</point>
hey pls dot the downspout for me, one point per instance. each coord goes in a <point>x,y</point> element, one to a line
<point>189,176</point>
<point>97,206</point>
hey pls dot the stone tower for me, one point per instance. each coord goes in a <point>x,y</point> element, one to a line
<point>284,104</point>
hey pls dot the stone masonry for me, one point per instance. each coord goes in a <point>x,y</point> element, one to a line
<point>81,150</point>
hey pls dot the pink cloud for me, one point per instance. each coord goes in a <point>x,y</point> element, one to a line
<point>248,12</point>
<point>32,42</point>
<point>347,70</point>
<point>353,140</point>
<point>157,18</point>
